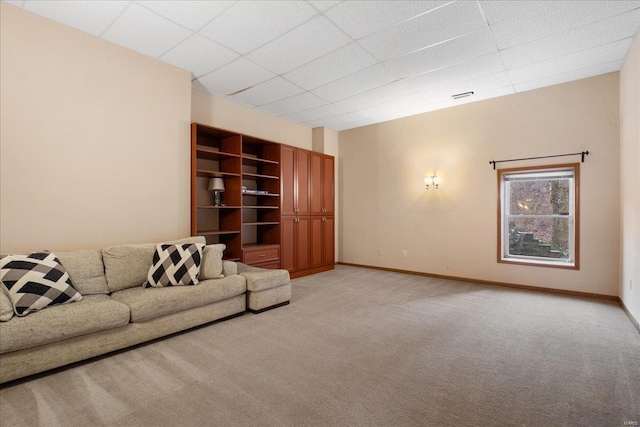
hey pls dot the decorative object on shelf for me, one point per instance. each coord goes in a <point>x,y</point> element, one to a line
<point>432,181</point>
<point>217,186</point>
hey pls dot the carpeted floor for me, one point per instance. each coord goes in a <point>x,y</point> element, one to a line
<point>364,347</point>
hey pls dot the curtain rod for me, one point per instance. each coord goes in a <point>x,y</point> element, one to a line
<point>582,153</point>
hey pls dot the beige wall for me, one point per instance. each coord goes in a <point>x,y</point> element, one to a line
<point>214,111</point>
<point>94,142</point>
<point>630,180</point>
<point>453,231</point>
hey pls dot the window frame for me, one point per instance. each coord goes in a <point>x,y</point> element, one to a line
<point>575,243</point>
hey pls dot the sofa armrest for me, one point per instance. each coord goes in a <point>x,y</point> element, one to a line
<point>229,268</point>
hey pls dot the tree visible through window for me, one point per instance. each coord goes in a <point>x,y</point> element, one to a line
<point>539,215</point>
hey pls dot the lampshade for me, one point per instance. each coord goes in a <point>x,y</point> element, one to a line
<point>216,184</point>
<point>436,180</point>
<point>428,180</point>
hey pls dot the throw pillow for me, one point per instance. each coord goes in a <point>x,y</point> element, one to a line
<point>36,281</point>
<point>175,265</point>
<point>212,262</point>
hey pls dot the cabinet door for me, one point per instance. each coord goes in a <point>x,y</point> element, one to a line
<point>287,243</point>
<point>328,243</point>
<point>302,181</point>
<point>316,186</point>
<point>287,180</point>
<point>316,241</point>
<point>302,239</point>
<point>328,184</point>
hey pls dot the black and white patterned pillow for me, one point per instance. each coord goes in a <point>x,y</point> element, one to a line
<point>175,265</point>
<point>36,281</point>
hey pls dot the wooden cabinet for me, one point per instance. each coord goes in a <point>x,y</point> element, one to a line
<point>216,153</point>
<point>278,205</point>
<point>295,181</point>
<point>295,243</point>
<point>248,221</point>
<point>322,241</point>
<point>322,184</point>
<point>260,202</point>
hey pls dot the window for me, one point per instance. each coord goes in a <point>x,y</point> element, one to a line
<point>538,211</point>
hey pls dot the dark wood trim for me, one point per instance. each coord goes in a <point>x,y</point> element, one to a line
<point>576,216</point>
<point>268,308</point>
<point>634,322</point>
<point>492,283</point>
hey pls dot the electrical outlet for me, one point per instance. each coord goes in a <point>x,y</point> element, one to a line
<point>380,251</point>
<point>404,254</point>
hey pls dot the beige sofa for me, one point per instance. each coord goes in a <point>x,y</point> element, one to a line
<point>115,311</point>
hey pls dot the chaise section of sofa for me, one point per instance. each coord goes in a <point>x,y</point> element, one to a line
<point>116,312</point>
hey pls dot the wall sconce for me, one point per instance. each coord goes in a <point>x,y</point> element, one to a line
<point>217,186</point>
<point>432,181</point>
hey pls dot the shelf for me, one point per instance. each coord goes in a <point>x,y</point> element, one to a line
<point>217,232</point>
<point>217,207</point>
<point>262,223</point>
<point>255,161</point>
<point>212,173</point>
<point>261,194</point>
<point>209,153</point>
<point>256,175</point>
<point>261,207</point>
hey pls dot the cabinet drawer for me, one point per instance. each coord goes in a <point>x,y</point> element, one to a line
<point>261,255</point>
<point>273,265</point>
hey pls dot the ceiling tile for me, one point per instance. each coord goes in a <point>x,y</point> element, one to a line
<point>199,55</point>
<point>316,113</point>
<point>240,74</point>
<point>267,92</point>
<point>335,120</point>
<point>444,54</point>
<point>188,13</point>
<point>304,101</point>
<point>89,16</point>
<point>356,83</point>
<point>496,11</point>
<point>410,102</point>
<point>359,123</point>
<point>375,96</point>
<point>453,20</point>
<point>570,76</point>
<point>481,66</point>
<point>300,46</point>
<point>557,17</point>
<point>574,40</point>
<point>250,24</point>
<point>361,18</point>
<point>575,61</point>
<point>142,30</point>
<point>332,66</point>
<point>323,5</point>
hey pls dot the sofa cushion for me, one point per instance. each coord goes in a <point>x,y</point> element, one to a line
<point>94,313</point>
<point>261,279</point>
<point>212,262</point>
<point>6,309</point>
<point>229,268</point>
<point>149,303</point>
<point>126,266</point>
<point>36,281</point>
<point>86,270</point>
<point>175,265</point>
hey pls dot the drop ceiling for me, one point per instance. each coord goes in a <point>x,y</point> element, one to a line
<point>346,64</point>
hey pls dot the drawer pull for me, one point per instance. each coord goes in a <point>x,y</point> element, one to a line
<point>262,255</point>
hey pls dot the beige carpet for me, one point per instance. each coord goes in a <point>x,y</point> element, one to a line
<point>361,347</point>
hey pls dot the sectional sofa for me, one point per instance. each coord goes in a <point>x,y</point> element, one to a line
<point>116,311</point>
